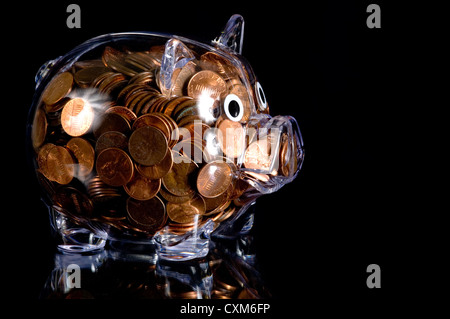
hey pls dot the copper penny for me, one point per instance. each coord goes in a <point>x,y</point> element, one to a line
<point>231,137</point>
<point>142,78</point>
<point>186,212</point>
<point>77,117</point>
<point>73,201</point>
<point>39,129</point>
<point>123,111</point>
<point>213,61</point>
<point>111,139</point>
<point>185,104</point>
<point>175,134</point>
<point>257,156</point>
<point>42,158</point>
<point>175,199</point>
<point>206,84</point>
<point>84,153</point>
<point>61,165</point>
<point>56,163</point>
<point>58,88</point>
<point>114,167</point>
<point>179,86</point>
<point>215,202</point>
<point>99,191</point>
<point>111,122</point>
<point>149,214</point>
<point>173,103</point>
<point>57,106</point>
<point>86,76</point>
<point>179,179</point>
<point>214,179</point>
<point>142,188</point>
<point>158,170</point>
<point>116,60</point>
<point>89,64</point>
<point>154,121</point>
<point>147,146</point>
<point>192,149</point>
<point>285,155</point>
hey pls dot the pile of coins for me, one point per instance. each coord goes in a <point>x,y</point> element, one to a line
<point>109,149</point>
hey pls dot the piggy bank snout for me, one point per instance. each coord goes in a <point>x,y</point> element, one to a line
<point>274,153</point>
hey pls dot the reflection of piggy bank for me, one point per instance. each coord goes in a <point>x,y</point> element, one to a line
<point>155,139</point>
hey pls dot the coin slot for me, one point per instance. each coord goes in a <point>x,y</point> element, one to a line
<point>262,102</point>
<point>233,107</point>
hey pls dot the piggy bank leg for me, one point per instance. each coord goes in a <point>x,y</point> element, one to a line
<point>189,245</point>
<point>73,238</point>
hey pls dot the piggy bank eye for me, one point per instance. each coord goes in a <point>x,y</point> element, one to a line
<point>234,109</point>
<point>262,102</point>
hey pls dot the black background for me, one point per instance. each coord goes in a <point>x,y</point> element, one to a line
<point>317,62</point>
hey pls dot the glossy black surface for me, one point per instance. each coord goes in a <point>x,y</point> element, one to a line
<point>229,271</point>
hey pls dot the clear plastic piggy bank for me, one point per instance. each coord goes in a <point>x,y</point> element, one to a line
<point>153,139</point>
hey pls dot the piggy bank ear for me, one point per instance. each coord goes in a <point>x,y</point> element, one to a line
<point>176,55</point>
<point>232,37</point>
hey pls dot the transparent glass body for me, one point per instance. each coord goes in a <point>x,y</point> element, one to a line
<point>147,138</point>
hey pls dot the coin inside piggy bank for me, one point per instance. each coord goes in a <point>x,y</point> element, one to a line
<point>156,139</point>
